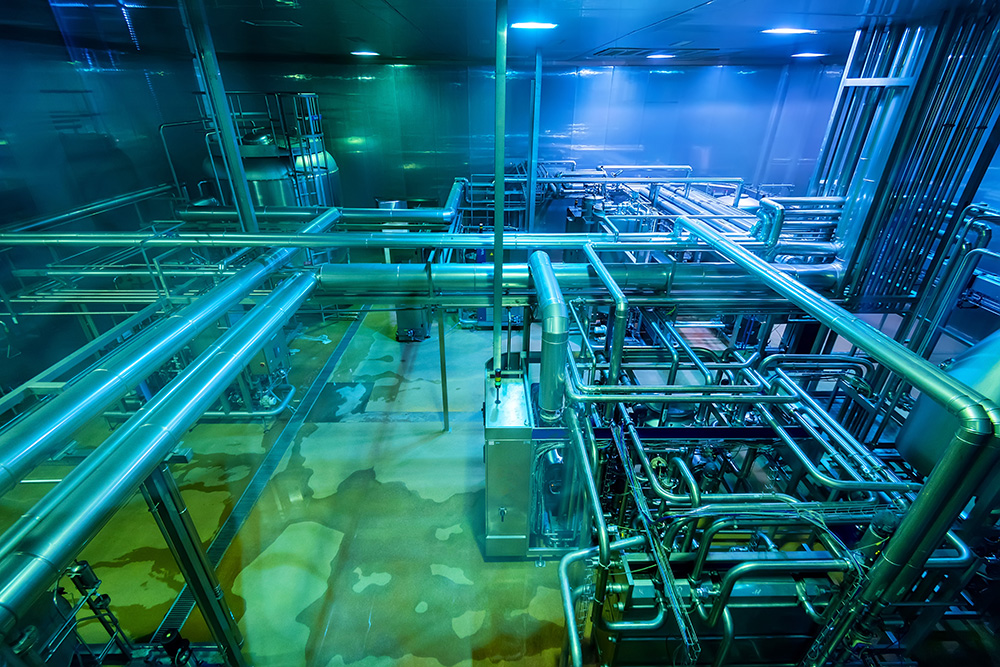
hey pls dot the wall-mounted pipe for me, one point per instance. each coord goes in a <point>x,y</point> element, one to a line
<point>40,433</point>
<point>555,335</point>
<point>46,539</point>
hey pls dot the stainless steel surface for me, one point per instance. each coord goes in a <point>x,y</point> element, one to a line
<point>194,16</point>
<point>926,432</point>
<point>555,334</point>
<point>44,431</point>
<point>44,541</point>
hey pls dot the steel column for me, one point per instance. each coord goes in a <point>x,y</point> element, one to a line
<point>208,62</point>
<point>171,514</point>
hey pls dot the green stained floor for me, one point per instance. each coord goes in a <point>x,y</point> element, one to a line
<point>366,546</point>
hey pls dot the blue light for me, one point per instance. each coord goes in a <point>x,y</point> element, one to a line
<point>533,25</point>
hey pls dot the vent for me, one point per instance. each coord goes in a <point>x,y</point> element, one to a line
<point>623,52</point>
<point>273,24</point>
<point>633,52</point>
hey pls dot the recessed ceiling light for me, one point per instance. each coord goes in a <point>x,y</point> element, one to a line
<point>660,55</point>
<point>808,55</point>
<point>789,31</point>
<point>364,53</point>
<point>533,25</point>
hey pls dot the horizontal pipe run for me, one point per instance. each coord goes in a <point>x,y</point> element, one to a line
<point>672,277</point>
<point>383,240</point>
<point>44,431</point>
<point>36,550</point>
<point>95,208</point>
<point>220,414</point>
<point>751,569</point>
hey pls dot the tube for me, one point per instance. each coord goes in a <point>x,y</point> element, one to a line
<point>47,538</point>
<point>40,433</point>
<point>555,336</point>
<point>575,650</point>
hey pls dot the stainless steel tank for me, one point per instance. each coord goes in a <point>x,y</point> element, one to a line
<point>278,176</point>
<point>927,431</point>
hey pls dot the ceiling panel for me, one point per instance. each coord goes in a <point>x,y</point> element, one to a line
<point>589,31</point>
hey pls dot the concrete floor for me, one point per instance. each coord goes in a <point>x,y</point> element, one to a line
<point>366,546</point>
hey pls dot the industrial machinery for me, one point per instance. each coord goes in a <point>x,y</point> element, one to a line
<point>718,413</point>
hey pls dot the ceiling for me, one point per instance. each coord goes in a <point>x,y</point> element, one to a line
<point>462,31</point>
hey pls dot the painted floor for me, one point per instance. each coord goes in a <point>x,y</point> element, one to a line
<point>366,545</point>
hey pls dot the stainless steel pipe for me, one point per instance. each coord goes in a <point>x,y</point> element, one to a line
<point>46,539</point>
<point>44,431</point>
<point>555,336</point>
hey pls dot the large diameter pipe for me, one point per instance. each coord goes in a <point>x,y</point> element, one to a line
<point>49,536</point>
<point>44,431</point>
<point>416,279</point>
<point>555,335</point>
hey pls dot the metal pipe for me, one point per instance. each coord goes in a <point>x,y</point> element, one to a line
<point>42,432</point>
<point>197,21</point>
<point>673,278</point>
<point>555,335</point>
<point>232,414</point>
<point>536,114</point>
<point>575,649</point>
<point>499,136</point>
<point>590,487</point>
<point>754,568</point>
<point>939,502</point>
<point>94,208</point>
<point>45,540</point>
<point>379,240</point>
<point>621,312</point>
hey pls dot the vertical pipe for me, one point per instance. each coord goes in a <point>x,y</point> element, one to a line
<point>498,183</point>
<point>536,112</point>
<point>444,370</point>
<point>208,62</point>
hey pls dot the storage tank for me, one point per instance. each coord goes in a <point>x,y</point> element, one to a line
<point>282,171</point>
<point>929,429</point>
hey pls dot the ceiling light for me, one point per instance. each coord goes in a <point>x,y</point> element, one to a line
<point>808,55</point>
<point>789,31</point>
<point>532,25</point>
<point>364,53</point>
<point>660,55</point>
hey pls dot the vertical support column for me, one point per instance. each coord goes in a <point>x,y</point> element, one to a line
<point>167,506</point>
<point>498,182</point>
<point>444,370</point>
<point>193,13</point>
<point>536,112</point>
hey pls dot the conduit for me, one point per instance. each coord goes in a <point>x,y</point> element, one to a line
<point>44,541</point>
<point>41,433</point>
